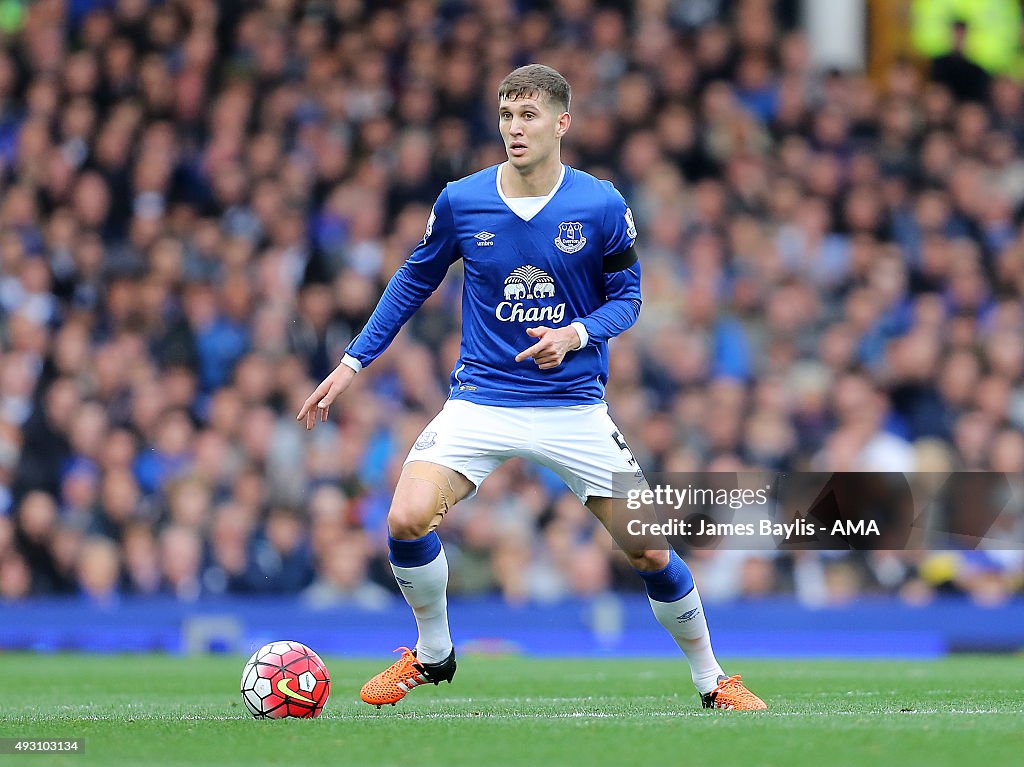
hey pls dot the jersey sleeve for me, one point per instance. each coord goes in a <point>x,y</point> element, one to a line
<point>411,285</point>
<point>621,307</point>
<point>621,275</point>
<point>620,232</point>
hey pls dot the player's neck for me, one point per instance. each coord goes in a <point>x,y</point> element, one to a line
<point>537,181</point>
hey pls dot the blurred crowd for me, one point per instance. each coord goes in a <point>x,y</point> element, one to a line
<point>200,203</point>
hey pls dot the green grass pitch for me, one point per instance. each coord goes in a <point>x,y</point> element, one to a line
<point>155,710</point>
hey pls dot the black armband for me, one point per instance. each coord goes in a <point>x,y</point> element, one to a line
<point>617,262</point>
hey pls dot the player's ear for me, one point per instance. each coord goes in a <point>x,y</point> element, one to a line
<point>564,120</point>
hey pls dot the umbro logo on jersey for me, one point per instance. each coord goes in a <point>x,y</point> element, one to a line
<point>483,239</point>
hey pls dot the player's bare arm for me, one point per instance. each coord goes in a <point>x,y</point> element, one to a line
<point>318,404</point>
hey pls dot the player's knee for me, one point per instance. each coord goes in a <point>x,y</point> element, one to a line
<point>409,519</point>
<point>648,560</point>
<point>418,507</point>
<point>424,495</point>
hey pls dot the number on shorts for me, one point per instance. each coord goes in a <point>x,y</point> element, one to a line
<point>617,438</point>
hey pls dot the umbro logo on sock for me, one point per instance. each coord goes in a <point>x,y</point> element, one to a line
<point>687,615</point>
<point>404,582</point>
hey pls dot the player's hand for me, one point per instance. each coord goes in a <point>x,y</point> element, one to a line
<point>319,402</point>
<point>552,347</point>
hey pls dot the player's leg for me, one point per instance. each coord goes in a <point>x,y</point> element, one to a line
<point>424,494</point>
<point>452,456</point>
<point>673,596</point>
<point>676,604</point>
<point>588,463</point>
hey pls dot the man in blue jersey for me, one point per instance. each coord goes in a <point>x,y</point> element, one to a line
<point>550,276</point>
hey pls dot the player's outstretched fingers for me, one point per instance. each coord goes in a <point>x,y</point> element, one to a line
<point>324,406</point>
<point>527,353</point>
<point>316,404</point>
<point>538,347</point>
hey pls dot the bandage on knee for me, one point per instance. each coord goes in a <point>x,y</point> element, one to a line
<point>446,494</point>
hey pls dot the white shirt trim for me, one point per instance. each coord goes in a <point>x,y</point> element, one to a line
<point>581,331</point>
<point>352,362</point>
<point>527,207</point>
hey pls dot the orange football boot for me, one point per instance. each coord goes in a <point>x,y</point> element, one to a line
<point>732,694</point>
<point>392,684</point>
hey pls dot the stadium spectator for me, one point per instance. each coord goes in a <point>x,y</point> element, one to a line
<point>98,571</point>
<point>343,580</point>
<point>966,80</point>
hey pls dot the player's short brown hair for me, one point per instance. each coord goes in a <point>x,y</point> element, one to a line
<point>536,80</point>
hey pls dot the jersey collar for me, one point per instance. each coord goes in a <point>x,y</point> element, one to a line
<point>527,207</point>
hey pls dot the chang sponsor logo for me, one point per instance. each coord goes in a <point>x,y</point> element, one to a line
<point>528,283</point>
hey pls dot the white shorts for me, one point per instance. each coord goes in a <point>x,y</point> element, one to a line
<point>580,443</point>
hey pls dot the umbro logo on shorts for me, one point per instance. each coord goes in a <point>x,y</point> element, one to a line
<point>688,615</point>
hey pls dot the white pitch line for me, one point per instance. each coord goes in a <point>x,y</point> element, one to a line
<point>618,715</point>
<point>554,716</point>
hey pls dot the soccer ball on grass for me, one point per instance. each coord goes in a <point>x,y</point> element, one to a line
<point>285,679</point>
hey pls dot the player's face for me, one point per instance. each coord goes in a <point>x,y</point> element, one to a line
<point>531,129</point>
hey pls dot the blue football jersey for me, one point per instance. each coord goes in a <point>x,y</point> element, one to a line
<point>573,261</point>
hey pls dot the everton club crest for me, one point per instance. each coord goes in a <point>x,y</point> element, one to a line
<point>570,237</point>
